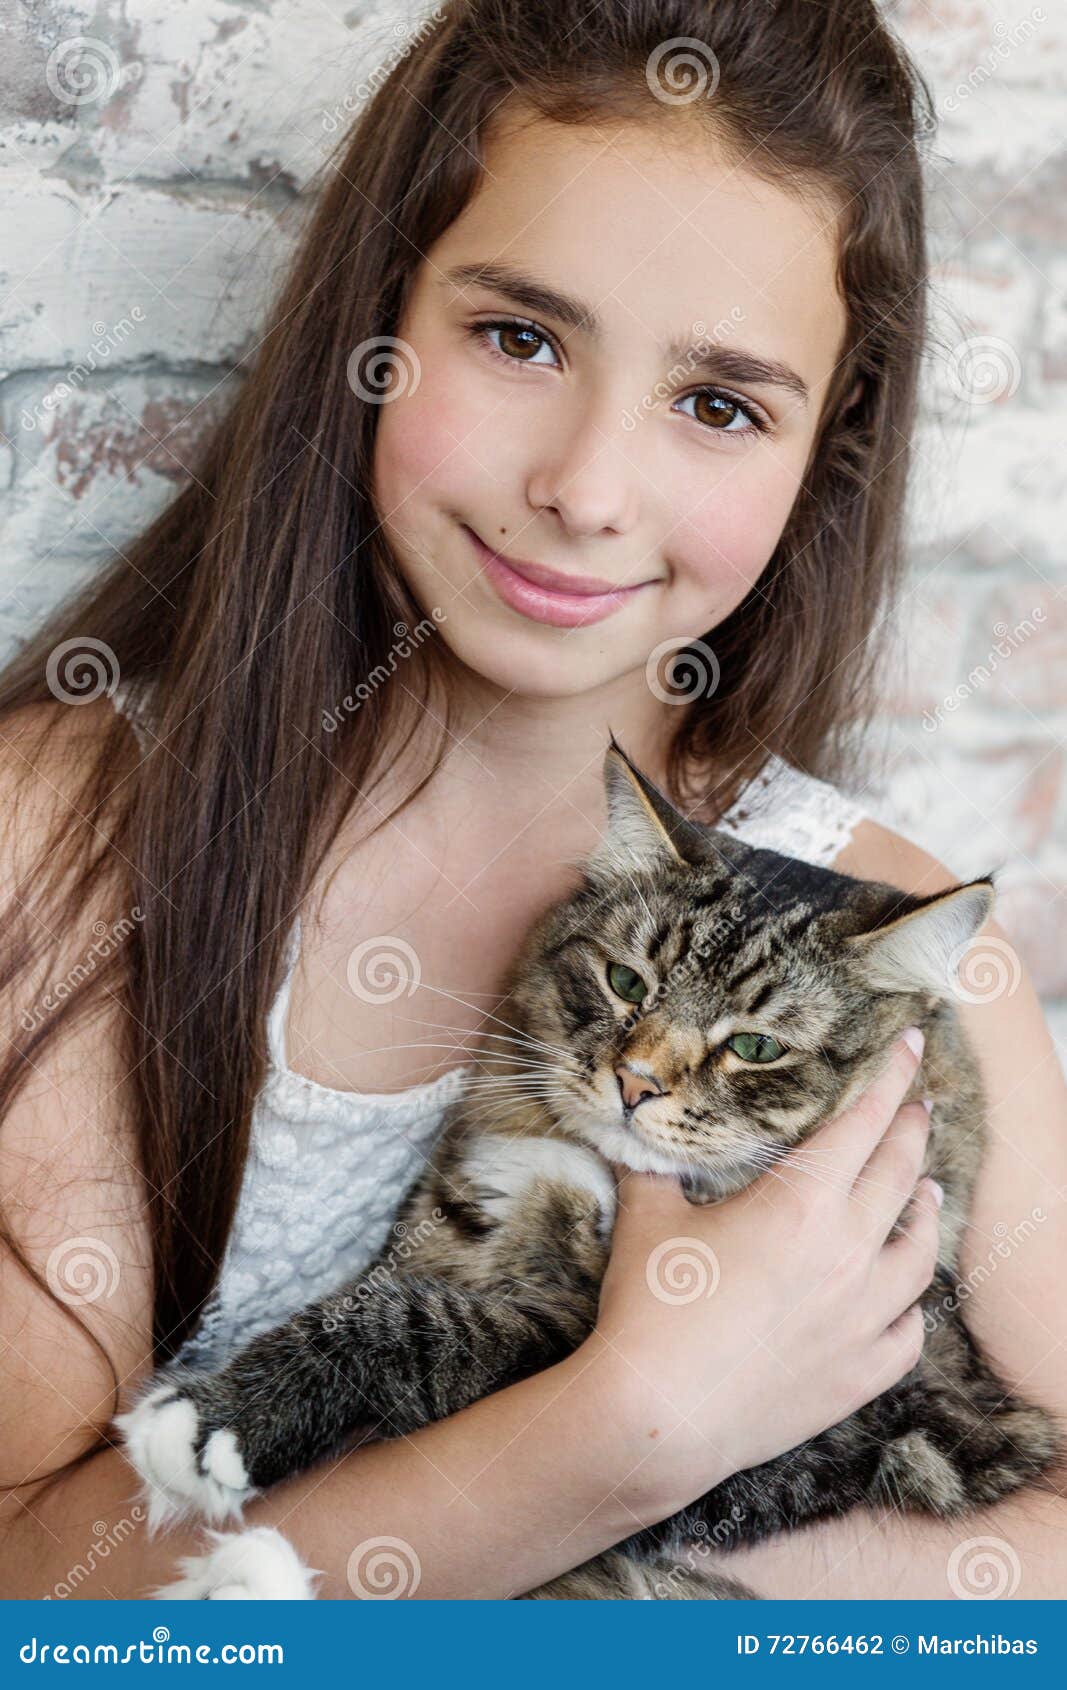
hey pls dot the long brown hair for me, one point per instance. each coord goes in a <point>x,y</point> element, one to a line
<point>262,595</point>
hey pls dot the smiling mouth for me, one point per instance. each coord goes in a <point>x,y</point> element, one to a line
<point>546,595</point>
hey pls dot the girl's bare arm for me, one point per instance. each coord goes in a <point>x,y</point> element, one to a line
<point>1013,1291</point>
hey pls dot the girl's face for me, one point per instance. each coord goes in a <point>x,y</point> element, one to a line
<point>558,421</point>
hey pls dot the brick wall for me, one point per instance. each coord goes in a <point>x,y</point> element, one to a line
<point>152,184</point>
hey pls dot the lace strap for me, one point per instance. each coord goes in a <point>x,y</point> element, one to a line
<point>783,809</point>
<point>130,699</point>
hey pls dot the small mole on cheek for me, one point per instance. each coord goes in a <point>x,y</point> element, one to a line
<point>654,1432</point>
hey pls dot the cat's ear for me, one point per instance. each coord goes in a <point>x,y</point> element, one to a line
<point>636,835</point>
<point>921,950</point>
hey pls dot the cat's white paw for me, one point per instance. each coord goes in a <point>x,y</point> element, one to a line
<point>161,1433</point>
<point>259,1564</point>
<point>505,1167</point>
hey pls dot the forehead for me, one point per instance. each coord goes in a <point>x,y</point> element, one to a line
<point>663,232</point>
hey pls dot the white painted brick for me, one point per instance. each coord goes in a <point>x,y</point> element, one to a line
<point>95,472</point>
<point>200,271</point>
<point>224,89</point>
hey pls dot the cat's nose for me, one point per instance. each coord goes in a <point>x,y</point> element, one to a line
<point>634,1088</point>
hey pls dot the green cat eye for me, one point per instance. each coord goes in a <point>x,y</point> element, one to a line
<point>625,983</point>
<point>755,1047</point>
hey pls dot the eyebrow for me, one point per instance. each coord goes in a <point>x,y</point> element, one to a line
<point>724,363</point>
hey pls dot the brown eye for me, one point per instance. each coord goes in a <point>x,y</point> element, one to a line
<point>718,412</point>
<point>714,411</point>
<point>519,343</point>
<point>625,983</point>
<point>755,1047</point>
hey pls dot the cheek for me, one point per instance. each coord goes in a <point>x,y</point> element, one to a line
<point>724,540</point>
<point>423,443</point>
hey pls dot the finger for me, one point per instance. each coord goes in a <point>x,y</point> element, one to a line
<point>893,1355</point>
<point>846,1141</point>
<point>890,1174</point>
<point>907,1264</point>
<point>900,1346</point>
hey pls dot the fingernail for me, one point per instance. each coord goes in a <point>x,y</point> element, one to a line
<point>914,1038</point>
<point>927,1103</point>
<point>938,1191</point>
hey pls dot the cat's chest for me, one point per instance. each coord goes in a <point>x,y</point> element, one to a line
<point>408,962</point>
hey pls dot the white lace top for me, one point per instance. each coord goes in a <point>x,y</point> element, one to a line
<point>327,1170</point>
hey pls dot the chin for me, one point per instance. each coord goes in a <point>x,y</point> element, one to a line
<point>622,1144</point>
<point>724,1176</point>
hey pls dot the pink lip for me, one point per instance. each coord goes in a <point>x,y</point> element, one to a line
<point>546,595</point>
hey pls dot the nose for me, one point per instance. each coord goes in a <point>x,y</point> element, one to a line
<point>634,1088</point>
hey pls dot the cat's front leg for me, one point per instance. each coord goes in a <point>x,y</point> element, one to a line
<point>952,1436</point>
<point>189,1462</point>
<point>373,1359</point>
<point>259,1564</point>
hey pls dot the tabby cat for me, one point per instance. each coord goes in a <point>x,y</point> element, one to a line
<point>697,1007</point>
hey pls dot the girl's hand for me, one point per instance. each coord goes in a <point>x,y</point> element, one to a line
<point>732,1332</point>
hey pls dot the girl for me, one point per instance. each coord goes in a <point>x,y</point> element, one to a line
<point>602,347</point>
